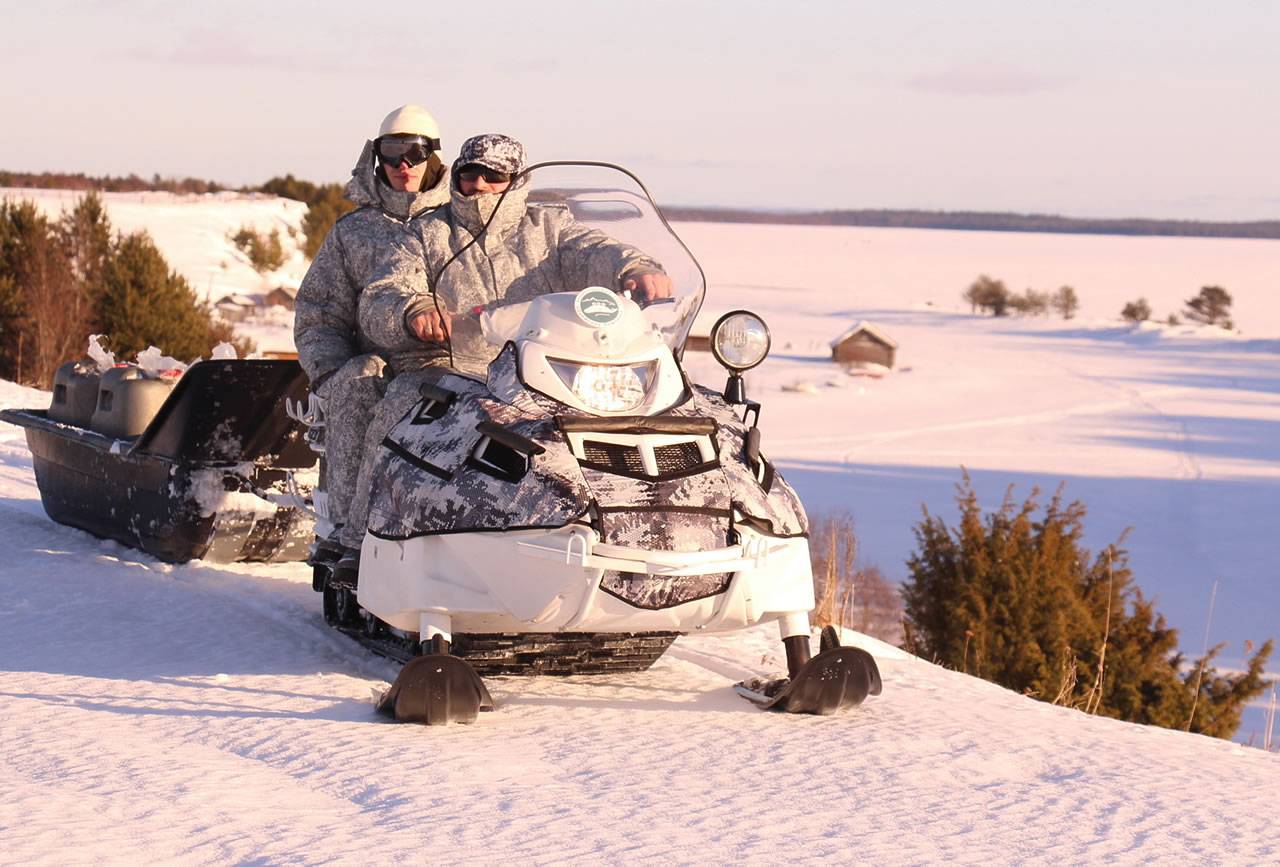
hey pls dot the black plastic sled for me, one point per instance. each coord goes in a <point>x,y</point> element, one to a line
<point>172,491</point>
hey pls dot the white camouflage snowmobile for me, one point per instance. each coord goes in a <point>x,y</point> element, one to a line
<point>580,503</point>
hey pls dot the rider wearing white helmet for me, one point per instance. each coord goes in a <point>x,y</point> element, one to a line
<point>398,181</point>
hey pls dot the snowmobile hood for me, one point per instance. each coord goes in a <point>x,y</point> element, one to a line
<point>365,191</point>
<point>427,481</point>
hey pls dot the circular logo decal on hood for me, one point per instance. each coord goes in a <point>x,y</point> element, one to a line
<point>596,305</point>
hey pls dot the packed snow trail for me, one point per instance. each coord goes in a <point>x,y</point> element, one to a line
<point>208,714</point>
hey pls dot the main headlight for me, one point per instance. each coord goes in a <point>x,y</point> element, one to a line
<point>607,387</point>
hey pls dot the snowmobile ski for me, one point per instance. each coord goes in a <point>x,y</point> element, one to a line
<point>436,689</point>
<point>836,679</point>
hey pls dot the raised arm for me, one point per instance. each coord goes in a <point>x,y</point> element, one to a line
<point>589,257</point>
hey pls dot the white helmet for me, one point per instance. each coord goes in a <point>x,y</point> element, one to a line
<point>410,120</point>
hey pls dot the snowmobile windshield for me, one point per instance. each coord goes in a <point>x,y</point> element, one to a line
<point>562,227</point>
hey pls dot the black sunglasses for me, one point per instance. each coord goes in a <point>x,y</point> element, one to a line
<point>393,151</point>
<point>473,173</point>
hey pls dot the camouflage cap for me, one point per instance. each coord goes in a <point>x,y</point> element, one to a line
<point>494,151</point>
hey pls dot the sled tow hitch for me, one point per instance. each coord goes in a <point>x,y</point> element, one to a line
<point>837,678</point>
<point>436,689</point>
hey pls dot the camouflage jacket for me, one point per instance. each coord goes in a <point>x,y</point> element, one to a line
<point>326,325</point>
<point>528,250</point>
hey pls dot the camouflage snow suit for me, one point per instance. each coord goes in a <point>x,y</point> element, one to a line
<point>334,353</point>
<point>528,250</point>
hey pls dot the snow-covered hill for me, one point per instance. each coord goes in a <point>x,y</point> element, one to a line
<point>205,713</point>
<point>193,232</point>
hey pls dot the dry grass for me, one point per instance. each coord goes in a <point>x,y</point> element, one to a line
<point>859,597</point>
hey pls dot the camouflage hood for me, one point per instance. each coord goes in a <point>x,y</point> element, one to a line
<point>471,212</point>
<point>366,191</point>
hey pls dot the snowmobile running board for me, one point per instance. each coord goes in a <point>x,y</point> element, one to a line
<point>835,679</point>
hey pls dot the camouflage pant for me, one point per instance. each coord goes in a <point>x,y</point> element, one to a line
<point>401,395</point>
<point>350,397</point>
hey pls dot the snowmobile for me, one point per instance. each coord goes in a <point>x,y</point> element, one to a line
<point>579,503</point>
<point>198,467</point>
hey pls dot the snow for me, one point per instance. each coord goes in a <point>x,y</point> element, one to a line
<point>206,713</point>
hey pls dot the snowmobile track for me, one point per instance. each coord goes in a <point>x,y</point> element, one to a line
<point>561,654</point>
<point>506,653</point>
<point>532,654</point>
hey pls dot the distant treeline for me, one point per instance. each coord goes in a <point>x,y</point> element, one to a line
<point>325,202</point>
<point>329,197</point>
<point>107,183</point>
<point>980,221</point>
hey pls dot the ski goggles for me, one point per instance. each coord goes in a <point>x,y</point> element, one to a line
<point>475,171</point>
<point>413,150</point>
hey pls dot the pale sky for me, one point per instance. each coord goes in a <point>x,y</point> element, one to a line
<point>1119,108</point>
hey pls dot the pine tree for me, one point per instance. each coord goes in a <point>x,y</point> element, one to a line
<point>1015,598</point>
<point>325,204</point>
<point>12,310</point>
<point>145,304</point>
<point>43,310</point>
<point>10,327</point>
<point>1212,306</point>
<point>324,209</point>
<point>86,232</point>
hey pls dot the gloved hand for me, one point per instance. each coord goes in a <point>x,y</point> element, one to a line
<point>648,286</point>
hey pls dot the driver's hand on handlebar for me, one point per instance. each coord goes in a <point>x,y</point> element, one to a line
<point>649,287</point>
<point>431,326</point>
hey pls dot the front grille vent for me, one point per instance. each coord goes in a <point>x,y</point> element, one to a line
<point>644,455</point>
<point>615,456</point>
<point>678,458</point>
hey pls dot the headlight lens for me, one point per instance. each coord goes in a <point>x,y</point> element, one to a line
<point>607,387</point>
<point>740,340</point>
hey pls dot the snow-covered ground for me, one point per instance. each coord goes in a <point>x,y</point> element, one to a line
<point>206,713</point>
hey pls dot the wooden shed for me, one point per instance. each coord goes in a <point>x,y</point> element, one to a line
<point>282,296</point>
<point>864,344</point>
<point>236,307</point>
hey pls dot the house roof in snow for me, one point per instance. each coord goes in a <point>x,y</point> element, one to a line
<point>863,325</point>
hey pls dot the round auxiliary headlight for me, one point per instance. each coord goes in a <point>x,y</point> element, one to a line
<point>739,340</point>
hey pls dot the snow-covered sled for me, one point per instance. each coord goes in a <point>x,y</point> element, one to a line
<point>580,503</point>
<point>208,477</point>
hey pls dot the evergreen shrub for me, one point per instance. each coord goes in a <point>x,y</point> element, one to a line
<point>1012,596</point>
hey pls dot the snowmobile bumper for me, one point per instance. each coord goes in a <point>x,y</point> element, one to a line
<point>558,580</point>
